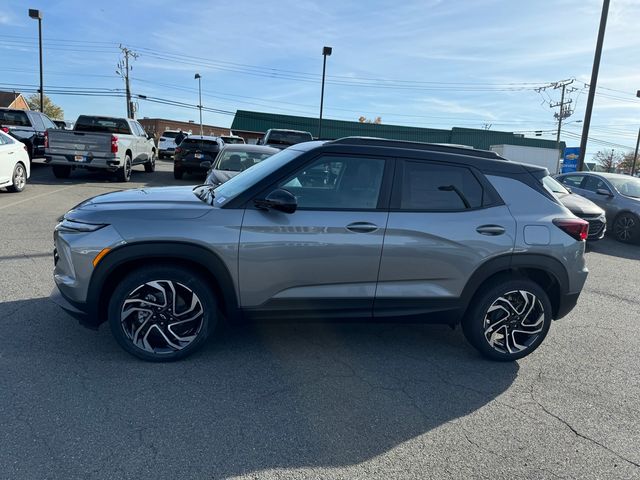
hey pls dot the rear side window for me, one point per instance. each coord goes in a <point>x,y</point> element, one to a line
<point>439,187</point>
<point>37,122</point>
<point>14,117</point>
<point>572,180</point>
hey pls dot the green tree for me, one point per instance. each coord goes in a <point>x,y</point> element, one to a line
<point>51,110</point>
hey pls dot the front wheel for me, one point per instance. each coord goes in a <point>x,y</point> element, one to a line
<point>19,179</point>
<point>124,172</point>
<point>626,228</point>
<point>162,313</point>
<point>508,321</point>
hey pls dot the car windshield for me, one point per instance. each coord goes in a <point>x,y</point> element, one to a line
<point>232,140</point>
<point>553,186</point>
<point>238,184</point>
<point>288,138</point>
<point>198,144</point>
<point>170,134</point>
<point>239,161</point>
<point>14,117</point>
<point>627,186</point>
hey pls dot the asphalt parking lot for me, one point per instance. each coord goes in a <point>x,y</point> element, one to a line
<point>307,401</point>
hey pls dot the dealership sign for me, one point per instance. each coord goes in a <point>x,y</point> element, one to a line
<point>570,159</point>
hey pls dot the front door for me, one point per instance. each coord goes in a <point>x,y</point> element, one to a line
<point>322,260</point>
<point>444,222</point>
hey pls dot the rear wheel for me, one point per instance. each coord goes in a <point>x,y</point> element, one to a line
<point>150,166</point>
<point>124,172</point>
<point>19,178</point>
<point>162,313</point>
<point>508,321</point>
<point>626,228</point>
<point>61,171</point>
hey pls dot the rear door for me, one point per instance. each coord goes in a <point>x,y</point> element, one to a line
<point>139,143</point>
<point>323,259</point>
<point>445,220</point>
<point>8,158</point>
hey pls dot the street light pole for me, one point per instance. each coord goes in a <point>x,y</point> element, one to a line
<point>326,52</point>
<point>199,78</point>
<point>37,15</point>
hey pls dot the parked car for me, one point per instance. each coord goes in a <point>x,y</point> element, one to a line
<point>100,143</point>
<point>580,207</point>
<point>63,124</point>
<point>468,237</point>
<point>618,195</point>
<point>234,159</point>
<point>167,143</point>
<point>15,167</point>
<point>280,138</point>
<point>196,154</point>
<point>28,126</point>
<point>232,139</point>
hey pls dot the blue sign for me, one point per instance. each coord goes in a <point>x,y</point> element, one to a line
<point>570,159</point>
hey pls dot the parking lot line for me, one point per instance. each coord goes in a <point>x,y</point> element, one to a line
<point>37,196</point>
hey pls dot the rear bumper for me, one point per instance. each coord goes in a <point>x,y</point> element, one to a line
<point>76,310</point>
<point>192,165</point>
<point>567,302</point>
<point>88,161</point>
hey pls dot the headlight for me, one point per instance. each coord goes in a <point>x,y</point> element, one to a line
<point>76,227</point>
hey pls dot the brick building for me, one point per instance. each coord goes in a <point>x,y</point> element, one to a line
<point>156,126</point>
<point>13,100</point>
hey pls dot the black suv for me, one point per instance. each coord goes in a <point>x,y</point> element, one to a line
<point>28,127</point>
<point>196,154</point>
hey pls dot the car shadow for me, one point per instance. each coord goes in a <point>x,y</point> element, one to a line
<point>613,248</point>
<point>255,398</point>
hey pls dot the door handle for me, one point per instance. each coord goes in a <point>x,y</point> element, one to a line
<point>491,230</point>
<point>362,227</point>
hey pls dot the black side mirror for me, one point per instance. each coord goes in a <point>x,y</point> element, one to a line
<point>605,192</point>
<point>205,165</point>
<point>280,200</point>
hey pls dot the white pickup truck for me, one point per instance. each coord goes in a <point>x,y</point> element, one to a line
<point>100,143</point>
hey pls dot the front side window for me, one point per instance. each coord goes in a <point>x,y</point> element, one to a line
<point>37,122</point>
<point>337,183</point>
<point>593,184</point>
<point>48,123</point>
<point>437,187</point>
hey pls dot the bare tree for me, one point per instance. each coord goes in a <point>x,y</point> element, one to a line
<point>608,159</point>
<point>363,119</point>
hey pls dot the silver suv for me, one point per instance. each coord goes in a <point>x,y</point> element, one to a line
<point>357,228</point>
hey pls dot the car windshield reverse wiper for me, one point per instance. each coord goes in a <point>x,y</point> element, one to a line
<point>205,192</point>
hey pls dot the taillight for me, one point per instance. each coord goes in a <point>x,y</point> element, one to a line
<point>5,129</point>
<point>114,144</point>
<point>46,139</point>
<point>178,150</point>
<point>574,227</point>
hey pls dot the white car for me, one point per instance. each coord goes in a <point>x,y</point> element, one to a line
<point>167,143</point>
<point>14,163</point>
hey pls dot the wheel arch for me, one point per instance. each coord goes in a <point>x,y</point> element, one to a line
<point>122,260</point>
<point>544,270</point>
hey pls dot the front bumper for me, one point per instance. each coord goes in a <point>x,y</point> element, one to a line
<point>74,309</point>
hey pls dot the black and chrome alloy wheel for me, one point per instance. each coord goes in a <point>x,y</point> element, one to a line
<point>513,321</point>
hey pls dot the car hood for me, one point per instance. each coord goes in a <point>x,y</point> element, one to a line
<point>579,205</point>
<point>143,203</point>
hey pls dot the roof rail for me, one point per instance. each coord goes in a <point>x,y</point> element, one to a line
<point>433,147</point>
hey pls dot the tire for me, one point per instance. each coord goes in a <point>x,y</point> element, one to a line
<point>528,309</point>
<point>61,171</point>
<point>150,166</point>
<point>19,178</point>
<point>626,228</point>
<point>152,338</point>
<point>177,173</point>
<point>124,173</point>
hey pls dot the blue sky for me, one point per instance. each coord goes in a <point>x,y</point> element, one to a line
<point>427,63</point>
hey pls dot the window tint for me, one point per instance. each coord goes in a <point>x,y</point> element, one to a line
<point>572,180</point>
<point>170,134</point>
<point>37,122</point>
<point>337,183</point>
<point>47,122</point>
<point>102,124</point>
<point>436,187</point>
<point>239,161</point>
<point>14,117</point>
<point>594,183</point>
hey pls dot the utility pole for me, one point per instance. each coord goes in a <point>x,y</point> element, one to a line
<point>593,84</point>
<point>123,71</point>
<point>565,110</point>
<point>635,154</point>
